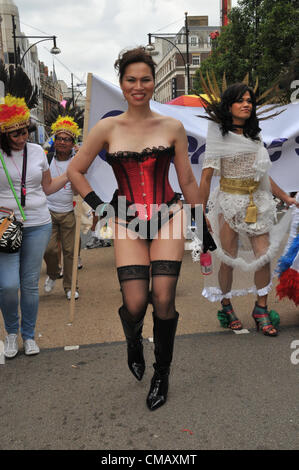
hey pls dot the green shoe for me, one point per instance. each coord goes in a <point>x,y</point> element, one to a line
<point>228,318</point>
<point>267,321</point>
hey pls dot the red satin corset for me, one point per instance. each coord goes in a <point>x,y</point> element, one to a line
<point>142,178</point>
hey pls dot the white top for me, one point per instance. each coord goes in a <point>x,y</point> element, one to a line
<point>36,208</point>
<point>234,206</point>
<point>236,166</point>
<point>62,200</point>
<point>235,156</point>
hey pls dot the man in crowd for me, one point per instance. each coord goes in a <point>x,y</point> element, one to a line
<point>66,132</point>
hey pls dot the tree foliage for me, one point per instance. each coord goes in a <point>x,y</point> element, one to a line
<point>262,40</point>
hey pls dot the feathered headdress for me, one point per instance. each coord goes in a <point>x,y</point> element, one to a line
<point>66,124</point>
<point>212,90</point>
<point>68,119</point>
<point>19,98</point>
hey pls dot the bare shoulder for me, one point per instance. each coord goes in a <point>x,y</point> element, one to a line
<point>107,123</point>
<point>102,130</point>
<point>170,123</point>
<point>168,120</point>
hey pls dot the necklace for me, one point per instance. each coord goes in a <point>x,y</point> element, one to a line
<point>23,175</point>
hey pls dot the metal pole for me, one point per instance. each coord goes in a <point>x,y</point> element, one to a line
<point>73,97</point>
<point>14,39</point>
<point>1,40</point>
<point>187,53</point>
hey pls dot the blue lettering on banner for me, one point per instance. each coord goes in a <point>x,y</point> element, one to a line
<point>276,143</point>
<point>195,152</point>
<point>192,148</point>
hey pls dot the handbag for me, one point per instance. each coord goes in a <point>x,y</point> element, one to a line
<point>11,230</point>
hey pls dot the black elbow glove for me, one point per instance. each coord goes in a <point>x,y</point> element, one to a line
<point>93,200</point>
<point>208,243</point>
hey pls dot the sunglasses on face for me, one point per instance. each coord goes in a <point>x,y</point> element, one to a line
<point>63,139</point>
<point>15,134</point>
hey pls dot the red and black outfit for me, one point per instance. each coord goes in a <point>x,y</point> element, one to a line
<point>142,179</point>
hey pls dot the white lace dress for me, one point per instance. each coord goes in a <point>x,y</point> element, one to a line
<point>233,209</point>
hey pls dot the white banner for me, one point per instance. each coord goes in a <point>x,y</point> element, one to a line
<point>280,134</point>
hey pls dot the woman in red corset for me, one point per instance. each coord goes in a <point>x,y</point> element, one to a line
<point>148,240</point>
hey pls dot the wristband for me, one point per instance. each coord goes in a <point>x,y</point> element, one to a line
<point>93,200</point>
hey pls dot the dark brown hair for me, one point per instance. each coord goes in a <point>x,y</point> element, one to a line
<point>223,114</point>
<point>4,141</point>
<point>133,56</point>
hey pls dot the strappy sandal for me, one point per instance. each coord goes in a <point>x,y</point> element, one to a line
<point>228,318</point>
<point>267,321</point>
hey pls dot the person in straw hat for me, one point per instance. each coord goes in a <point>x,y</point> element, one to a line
<point>66,132</point>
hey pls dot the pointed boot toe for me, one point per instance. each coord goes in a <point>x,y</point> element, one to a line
<point>157,395</point>
<point>137,369</point>
<point>136,361</point>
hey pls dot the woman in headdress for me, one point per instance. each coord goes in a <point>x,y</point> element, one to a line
<point>241,211</point>
<point>29,171</point>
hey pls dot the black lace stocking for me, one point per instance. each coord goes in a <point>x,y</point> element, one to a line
<point>164,281</point>
<point>134,282</point>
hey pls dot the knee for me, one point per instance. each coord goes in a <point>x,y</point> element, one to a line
<point>9,294</point>
<point>163,304</point>
<point>30,282</point>
<point>9,284</point>
<point>226,268</point>
<point>137,307</point>
<point>51,250</point>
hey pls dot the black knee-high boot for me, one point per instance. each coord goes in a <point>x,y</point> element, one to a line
<point>164,334</point>
<point>133,334</point>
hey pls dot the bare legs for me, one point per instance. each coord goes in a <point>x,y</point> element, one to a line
<point>229,244</point>
<point>262,277</point>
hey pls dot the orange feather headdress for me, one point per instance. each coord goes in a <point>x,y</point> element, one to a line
<point>20,97</point>
<point>66,124</point>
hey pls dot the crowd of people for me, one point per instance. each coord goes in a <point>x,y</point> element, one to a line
<point>238,221</point>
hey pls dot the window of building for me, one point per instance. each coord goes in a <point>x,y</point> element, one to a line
<point>195,59</point>
<point>193,40</point>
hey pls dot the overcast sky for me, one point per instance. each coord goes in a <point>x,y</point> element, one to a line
<point>90,34</point>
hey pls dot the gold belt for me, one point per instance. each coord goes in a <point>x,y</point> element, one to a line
<point>242,186</point>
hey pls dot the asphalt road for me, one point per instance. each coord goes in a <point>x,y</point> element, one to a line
<point>227,392</point>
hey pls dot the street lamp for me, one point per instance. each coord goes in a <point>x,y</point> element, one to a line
<point>150,47</point>
<point>55,50</point>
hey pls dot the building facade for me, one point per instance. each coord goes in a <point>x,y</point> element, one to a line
<point>171,58</point>
<point>17,49</point>
<point>51,94</point>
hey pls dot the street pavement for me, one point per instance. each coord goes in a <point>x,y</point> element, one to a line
<point>227,392</point>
